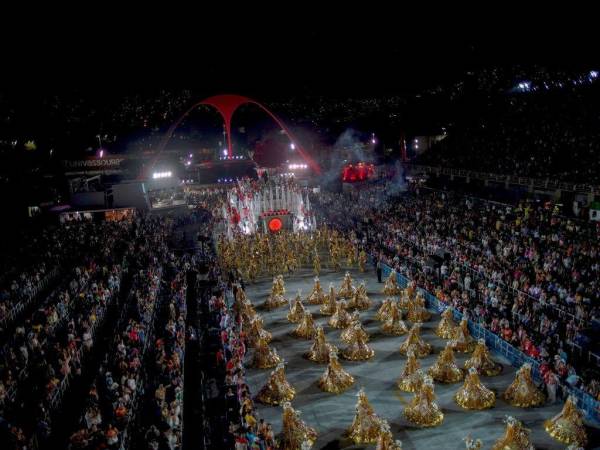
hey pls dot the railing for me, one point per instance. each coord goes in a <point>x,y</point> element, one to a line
<point>589,405</point>
<point>500,178</point>
<point>20,306</point>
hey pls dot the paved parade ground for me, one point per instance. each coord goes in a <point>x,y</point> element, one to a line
<point>332,414</point>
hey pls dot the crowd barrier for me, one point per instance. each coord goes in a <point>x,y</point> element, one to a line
<point>589,405</point>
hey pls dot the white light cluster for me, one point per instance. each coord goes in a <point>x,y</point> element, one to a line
<point>297,166</point>
<point>190,181</point>
<point>157,175</point>
<point>226,158</point>
<point>225,180</point>
<point>288,174</point>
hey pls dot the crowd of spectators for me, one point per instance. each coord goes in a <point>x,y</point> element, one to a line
<point>45,349</point>
<point>163,423</point>
<point>526,274</point>
<point>546,135</point>
<point>112,400</point>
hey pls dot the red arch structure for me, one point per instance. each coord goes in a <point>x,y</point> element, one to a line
<point>226,105</point>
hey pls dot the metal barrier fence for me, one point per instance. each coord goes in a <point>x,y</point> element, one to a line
<point>588,404</point>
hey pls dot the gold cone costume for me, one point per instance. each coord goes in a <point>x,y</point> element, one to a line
<point>296,311</point>
<point>320,349</point>
<point>423,410</point>
<point>382,312</point>
<point>340,319</point>
<point>358,350</point>
<point>366,425</point>
<point>335,379</point>
<point>346,289</point>
<point>567,426</point>
<point>317,296</point>
<point>482,361</point>
<point>445,369</point>
<point>414,341</point>
<point>473,394</point>
<point>257,332</point>
<point>359,299</point>
<point>245,307</point>
<point>461,338</point>
<point>385,440</point>
<point>417,311</point>
<point>306,328</point>
<point>328,307</point>
<point>516,437</point>
<point>276,298</point>
<point>264,357</point>
<point>349,334</point>
<point>412,376</point>
<point>394,325</point>
<point>295,434</point>
<point>390,287</point>
<point>522,392</point>
<point>277,389</point>
<point>445,328</point>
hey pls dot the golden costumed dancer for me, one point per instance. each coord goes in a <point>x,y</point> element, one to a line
<point>358,350</point>
<point>445,369</point>
<point>316,264</point>
<point>404,301</point>
<point>295,434</point>
<point>296,310</point>
<point>257,332</point>
<point>277,389</point>
<point>473,394</point>
<point>394,325</point>
<point>275,298</point>
<point>414,341</point>
<point>359,299</point>
<point>280,284</point>
<point>567,426</point>
<point>317,296</point>
<point>482,361</point>
<point>320,349</point>
<point>349,334</point>
<point>385,440</point>
<point>362,261</point>
<point>522,392</point>
<point>244,307</point>
<point>516,437</point>
<point>390,287</point>
<point>328,307</point>
<point>445,328</point>
<point>306,328</point>
<point>383,311</point>
<point>412,375</point>
<point>423,409</point>
<point>346,288</point>
<point>340,319</point>
<point>366,424</point>
<point>335,379</point>
<point>461,339</point>
<point>264,357</point>
<point>417,311</point>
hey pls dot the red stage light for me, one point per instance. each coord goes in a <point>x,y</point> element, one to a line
<point>275,224</point>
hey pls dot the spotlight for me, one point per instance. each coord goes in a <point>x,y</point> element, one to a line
<point>158,175</point>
